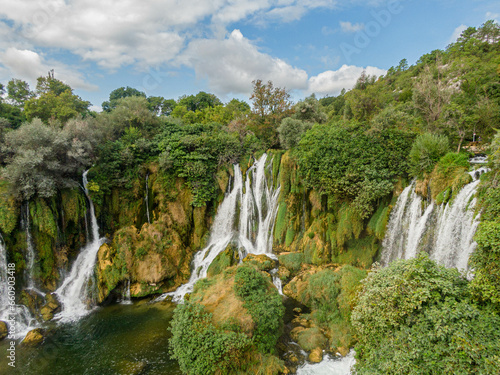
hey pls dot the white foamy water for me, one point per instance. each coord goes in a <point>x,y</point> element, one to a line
<point>446,232</point>
<point>73,293</point>
<point>250,231</point>
<point>330,366</point>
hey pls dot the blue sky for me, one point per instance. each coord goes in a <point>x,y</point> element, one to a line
<point>169,47</point>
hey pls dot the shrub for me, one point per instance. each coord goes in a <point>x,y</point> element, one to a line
<point>416,317</point>
<point>426,151</point>
<point>202,348</point>
<point>264,304</point>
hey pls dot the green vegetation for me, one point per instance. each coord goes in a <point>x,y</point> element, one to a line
<point>347,164</point>
<point>485,261</point>
<point>425,153</point>
<point>329,293</point>
<point>263,302</point>
<point>230,325</point>
<point>201,347</point>
<point>424,321</point>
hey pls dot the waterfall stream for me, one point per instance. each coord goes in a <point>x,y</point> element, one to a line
<point>73,293</point>
<point>21,315</point>
<point>446,232</point>
<point>251,231</point>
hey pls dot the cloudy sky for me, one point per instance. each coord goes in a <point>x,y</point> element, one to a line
<point>174,47</point>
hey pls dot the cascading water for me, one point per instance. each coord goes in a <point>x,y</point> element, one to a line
<point>73,291</point>
<point>21,316</point>
<point>126,299</point>
<point>445,232</point>
<point>30,256</point>
<point>276,280</point>
<point>4,298</point>
<point>330,366</point>
<point>258,209</point>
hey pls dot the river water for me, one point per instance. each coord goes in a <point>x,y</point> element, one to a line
<point>113,340</point>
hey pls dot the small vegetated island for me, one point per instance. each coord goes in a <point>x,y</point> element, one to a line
<point>308,192</point>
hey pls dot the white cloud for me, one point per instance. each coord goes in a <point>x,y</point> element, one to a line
<point>492,16</point>
<point>150,33</point>
<point>332,82</point>
<point>29,65</point>
<point>456,33</point>
<point>348,27</point>
<point>231,64</point>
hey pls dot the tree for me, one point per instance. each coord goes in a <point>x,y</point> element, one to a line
<point>55,101</point>
<point>270,105</point>
<point>44,158</point>
<point>19,91</point>
<point>309,110</point>
<point>199,101</point>
<point>120,93</point>
<point>290,131</point>
<point>50,84</point>
<point>430,96</point>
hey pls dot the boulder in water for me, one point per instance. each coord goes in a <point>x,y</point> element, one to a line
<point>316,355</point>
<point>51,307</point>
<point>4,331</point>
<point>34,337</point>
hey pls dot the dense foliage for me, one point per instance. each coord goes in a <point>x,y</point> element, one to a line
<point>423,322</point>
<point>201,347</point>
<point>347,163</point>
<point>263,304</point>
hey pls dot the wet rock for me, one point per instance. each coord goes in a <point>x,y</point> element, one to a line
<point>263,262</point>
<point>4,331</point>
<point>51,307</point>
<point>294,333</point>
<point>316,355</point>
<point>34,337</point>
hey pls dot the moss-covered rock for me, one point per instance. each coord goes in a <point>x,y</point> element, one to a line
<point>4,331</point>
<point>223,260</point>
<point>51,307</point>
<point>329,292</point>
<point>262,262</point>
<point>34,337</point>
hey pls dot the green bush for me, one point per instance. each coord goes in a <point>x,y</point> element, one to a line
<point>264,304</point>
<point>202,348</point>
<point>485,261</point>
<point>416,317</point>
<point>292,261</point>
<point>426,151</point>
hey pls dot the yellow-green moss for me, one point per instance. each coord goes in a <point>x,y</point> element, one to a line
<point>280,226</point>
<point>9,210</point>
<point>43,217</point>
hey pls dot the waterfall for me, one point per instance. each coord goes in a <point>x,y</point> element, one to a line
<point>251,231</point>
<point>276,280</point>
<point>446,232</point>
<point>73,291</point>
<point>4,298</point>
<point>30,256</point>
<point>126,299</point>
<point>146,199</point>
<point>21,316</point>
